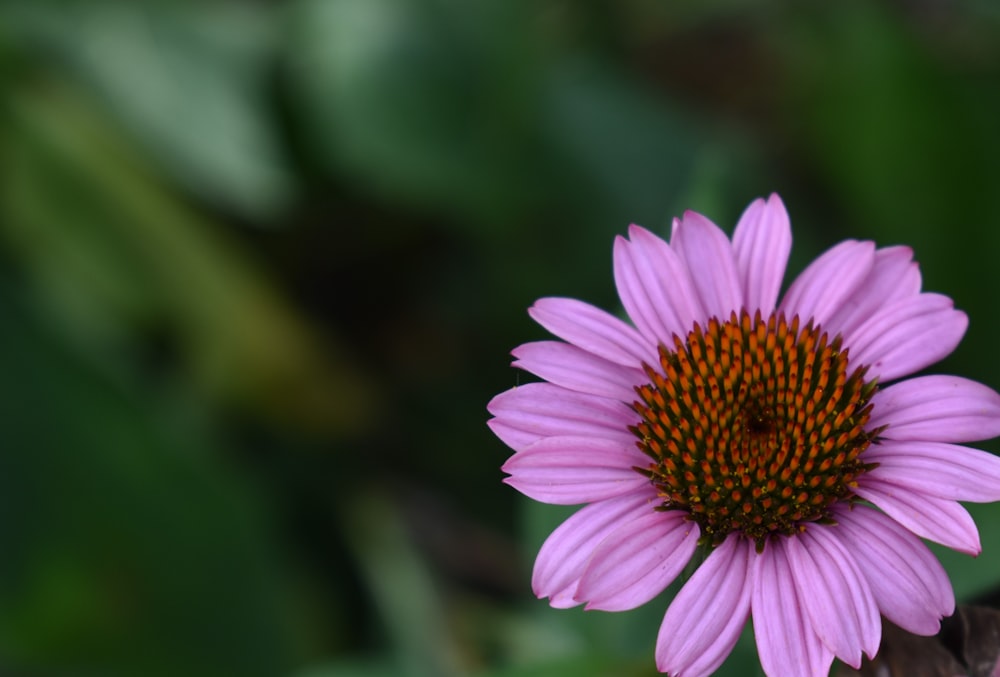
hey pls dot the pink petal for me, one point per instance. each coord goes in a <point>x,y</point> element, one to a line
<point>572,470</point>
<point>594,330</point>
<point>576,369</point>
<point>786,640</point>
<point>822,288</point>
<point>943,470</point>
<point>708,255</point>
<point>835,594</point>
<point>654,286</point>
<point>705,619</point>
<point>638,561</point>
<point>761,244</point>
<point>937,409</point>
<point>909,584</point>
<point>528,413</point>
<point>564,555</point>
<point>907,336</point>
<point>937,519</point>
<point>894,276</point>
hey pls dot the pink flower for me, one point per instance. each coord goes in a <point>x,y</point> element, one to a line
<point>766,433</point>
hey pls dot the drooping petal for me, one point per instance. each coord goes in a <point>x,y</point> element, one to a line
<point>573,470</point>
<point>564,555</point>
<point>705,619</point>
<point>894,276</point>
<point>594,330</point>
<point>786,641</point>
<point>638,561</point>
<point>576,369</point>
<point>762,242</point>
<point>835,594</point>
<point>821,289</point>
<point>528,413</point>
<point>708,255</point>
<point>907,336</point>
<point>937,409</point>
<point>943,470</point>
<point>937,519</point>
<point>909,584</point>
<point>654,286</point>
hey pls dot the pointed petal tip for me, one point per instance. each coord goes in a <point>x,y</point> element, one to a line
<point>539,304</point>
<point>708,255</point>
<point>937,519</point>
<point>961,318</point>
<point>635,230</point>
<point>491,423</point>
<point>837,598</point>
<point>972,548</point>
<point>777,207</point>
<point>498,403</point>
<point>712,607</point>
<point>692,217</point>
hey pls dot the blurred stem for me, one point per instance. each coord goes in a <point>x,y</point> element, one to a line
<point>401,586</point>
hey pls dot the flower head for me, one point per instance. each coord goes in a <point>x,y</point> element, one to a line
<point>776,436</point>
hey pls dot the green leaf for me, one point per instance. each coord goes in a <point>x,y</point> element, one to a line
<point>401,586</point>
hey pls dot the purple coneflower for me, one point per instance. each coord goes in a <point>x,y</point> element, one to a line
<point>769,435</point>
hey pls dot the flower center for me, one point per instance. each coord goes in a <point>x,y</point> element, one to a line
<point>754,426</point>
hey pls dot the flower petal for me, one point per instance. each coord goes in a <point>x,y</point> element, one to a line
<point>528,413</point>
<point>708,255</point>
<point>705,619</point>
<point>823,287</point>
<point>761,244</point>
<point>563,557</point>
<point>572,470</point>
<point>909,584</point>
<point>785,636</point>
<point>907,336</point>
<point>638,561</point>
<point>944,470</point>
<point>937,519</point>
<point>654,286</point>
<point>894,276</point>
<point>594,330</point>
<point>836,595</point>
<point>578,370</point>
<point>937,409</point>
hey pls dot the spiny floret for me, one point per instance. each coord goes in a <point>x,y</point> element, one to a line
<point>754,426</point>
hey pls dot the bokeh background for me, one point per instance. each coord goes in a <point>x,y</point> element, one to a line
<point>262,264</point>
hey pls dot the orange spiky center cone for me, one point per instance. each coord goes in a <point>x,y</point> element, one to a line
<point>756,426</point>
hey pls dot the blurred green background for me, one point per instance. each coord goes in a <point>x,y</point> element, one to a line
<point>262,263</point>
